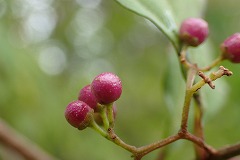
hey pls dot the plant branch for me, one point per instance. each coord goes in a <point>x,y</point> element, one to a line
<point>190,77</point>
<point>188,96</point>
<point>198,126</point>
<point>213,64</point>
<point>226,152</point>
<point>185,112</point>
<point>103,114</point>
<point>200,142</point>
<point>110,115</point>
<point>98,129</point>
<point>114,138</point>
<point>183,58</point>
<point>16,141</point>
<point>149,148</point>
<point>138,153</point>
<point>213,76</point>
<point>203,150</point>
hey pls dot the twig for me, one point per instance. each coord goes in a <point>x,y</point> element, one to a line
<point>149,148</point>
<point>226,152</point>
<point>19,143</point>
<point>213,64</point>
<point>198,126</point>
<point>198,141</point>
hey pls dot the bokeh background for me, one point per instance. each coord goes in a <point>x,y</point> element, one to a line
<point>50,49</point>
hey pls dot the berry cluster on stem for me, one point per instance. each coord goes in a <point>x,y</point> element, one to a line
<point>96,106</point>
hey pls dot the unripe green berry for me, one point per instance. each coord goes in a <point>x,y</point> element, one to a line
<point>87,96</point>
<point>231,48</point>
<point>79,114</point>
<point>106,87</point>
<point>193,31</point>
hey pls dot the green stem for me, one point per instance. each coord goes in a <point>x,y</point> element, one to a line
<point>103,114</point>
<point>213,64</point>
<point>115,139</point>
<point>198,126</point>
<point>183,58</point>
<point>98,129</point>
<point>185,112</point>
<point>110,115</point>
<point>212,77</point>
<point>191,90</point>
<point>110,135</point>
<point>188,96</point>
<point>190,77</point>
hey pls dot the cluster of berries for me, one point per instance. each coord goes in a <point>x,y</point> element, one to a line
<point>104,90</point>
<point>193,32</point>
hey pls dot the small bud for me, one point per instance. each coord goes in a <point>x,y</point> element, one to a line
<point>106,87</point>
<point>87,96</point>
<point>231,48</point>
<point>193,31</point>
<point>79,114</point>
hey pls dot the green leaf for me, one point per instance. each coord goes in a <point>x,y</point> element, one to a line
<point>166,14</point>
<point>187,8</point>
<point>159,13</point>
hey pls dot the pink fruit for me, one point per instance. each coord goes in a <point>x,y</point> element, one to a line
<point>78,114</point>
<point>231,48</point>
<point>106,87</point>
<point>87,96</point>
<point>193,31</point>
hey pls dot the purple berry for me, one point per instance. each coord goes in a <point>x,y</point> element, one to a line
<point>193,31</point>
<point>106,87</point>
<point>78,114</point>
<point>231,48</point>
<point>87,96</point>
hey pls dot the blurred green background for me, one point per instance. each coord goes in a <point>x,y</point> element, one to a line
<point>50,49</point>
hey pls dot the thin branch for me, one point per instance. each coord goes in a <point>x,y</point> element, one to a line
<point>191,77</point>
<point>103,114</point>
<point>114,138</point>
<point>212,77</point>
<point>226,152</point>
<point>198,141</point>
<point>188,96</point>
<point>183,58</point>
<point>213,64</point>
<point>110,115</point>
<point>19,143</point>
<point>149,148</point>
<point>198,126</point>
